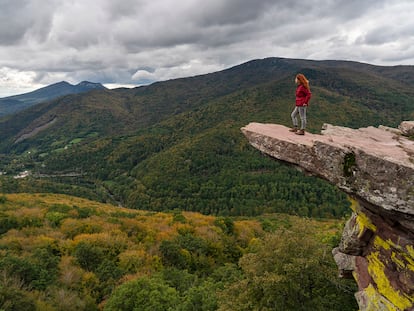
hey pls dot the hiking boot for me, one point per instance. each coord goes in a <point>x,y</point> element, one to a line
<point>300,132</point>
<point>293,129</point>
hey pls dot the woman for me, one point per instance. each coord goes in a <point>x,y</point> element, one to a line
<point>303,95</point>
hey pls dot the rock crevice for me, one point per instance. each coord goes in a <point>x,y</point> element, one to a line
<point>375,166</point>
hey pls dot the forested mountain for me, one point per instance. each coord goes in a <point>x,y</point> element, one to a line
<point>16,103</point>
<point>177,144</point>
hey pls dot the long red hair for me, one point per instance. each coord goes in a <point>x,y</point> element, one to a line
<point>302,80</point>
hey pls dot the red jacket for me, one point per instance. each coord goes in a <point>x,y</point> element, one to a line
<point>303,95</point>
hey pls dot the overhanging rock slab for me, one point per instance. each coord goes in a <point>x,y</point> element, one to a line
<point>374,164</point>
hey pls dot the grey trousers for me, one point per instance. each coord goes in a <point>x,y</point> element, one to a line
<point>301,110</point>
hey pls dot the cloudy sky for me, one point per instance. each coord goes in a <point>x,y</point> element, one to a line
<point>133,42</point>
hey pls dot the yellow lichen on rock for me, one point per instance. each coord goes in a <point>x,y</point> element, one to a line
<point>374,301</point>
<point>410,257</point>
<point>363,220</point>
<point>380,243</point>
<point>400,263</point>
<point>376,269</point>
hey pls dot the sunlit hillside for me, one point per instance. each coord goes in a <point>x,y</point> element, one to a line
<point>65,253</point>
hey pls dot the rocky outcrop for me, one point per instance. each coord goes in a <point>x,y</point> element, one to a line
<point>35,131</point>
<point>375,166</point>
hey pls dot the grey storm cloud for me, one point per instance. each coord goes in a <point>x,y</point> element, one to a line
<point>140,41</point>
<point>24,20</point>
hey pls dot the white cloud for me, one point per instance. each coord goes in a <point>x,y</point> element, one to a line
<point>178,70</point>
<point>117,85</point>
<point>143,75</point>
<point>15,82</point>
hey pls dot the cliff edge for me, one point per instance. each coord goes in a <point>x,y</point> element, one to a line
<point>375,166</point>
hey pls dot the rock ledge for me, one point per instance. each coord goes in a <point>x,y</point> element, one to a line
<point>375,166</point>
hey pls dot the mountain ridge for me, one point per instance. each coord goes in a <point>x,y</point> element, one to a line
<point>16,103</point>
<point>148,104</point>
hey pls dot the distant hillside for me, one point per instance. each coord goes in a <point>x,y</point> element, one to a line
<point>13,104</point>
<point>177,144</point>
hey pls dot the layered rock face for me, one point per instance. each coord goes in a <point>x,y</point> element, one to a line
<point>375,166</point>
